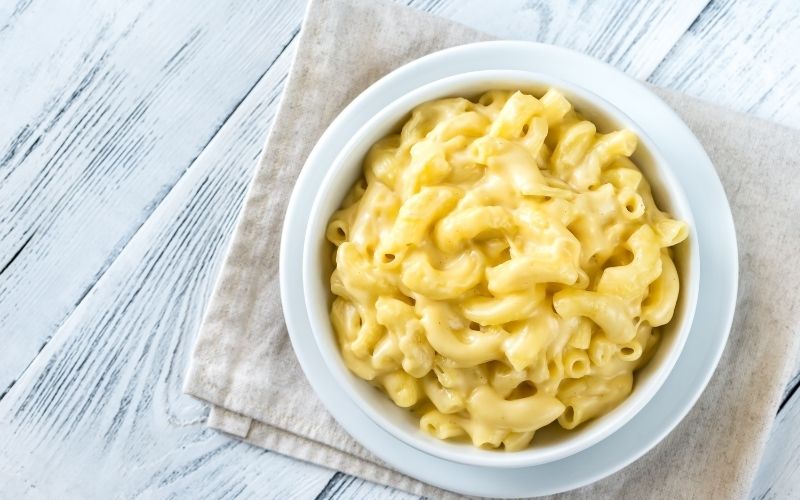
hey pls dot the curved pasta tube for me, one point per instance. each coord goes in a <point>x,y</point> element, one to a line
<point>368,335</point>
<point>671,232</point>
<point>581,335</point>
<point>401,387</point>
<point>418,213</point>
<point>528,343</point>
<point>469,123</point>
<point>631,281</point>
<point>389,258</point>
<point>517,110</point>
<point>356,326</point>
<point>386,355</point>
<point>576,363</point>
<point>631,203</point>
<point>357,274</point>
<point>616,359</point>
<point>537,368</point>
<point>504,309</point>
<point>630,351</point>
<point>482,434</point>
<point>337,286</point>
<point>572,146</point>
<point>594,226</point>
<point>622,178</point>
<point>346,323</point>
<point>518,415</point>
<point>465,347</point>
<point>458,378</point>
<point>428,166</point>
<point>444,399</point>
<point>368,223</point>
<point>491,102</point>
<point>533,139</point>
<point>453,281</point>
<point>457,227</point>
<point>517,440</point>
<point>555,105</point>
<point>361,367</point>
<point>355,194</point>
<point>560,210</point>
<point>426,116</point>
<point>659,306</point>
<point>648,338</point>
<point>464,171</point>
<point>555,374</point>
<point>440,425</point>
<point>345,320</point>
<point>512,161</point>
<point>338,229</point>
<point>496,250</point>
<point>602,350</point>
<point>589,397</point>
<point>525,271</point>
<point>400,319</point>
<point>383,161</point>
<point>505,379</point>
<point>609,312</point>
<point>606,147</point>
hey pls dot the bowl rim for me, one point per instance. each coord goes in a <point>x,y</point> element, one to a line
<point>612,421</point>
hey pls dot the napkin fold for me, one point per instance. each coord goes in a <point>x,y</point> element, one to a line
<point>243,363</point>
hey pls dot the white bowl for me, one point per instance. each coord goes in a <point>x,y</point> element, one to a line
<point>550,444</point>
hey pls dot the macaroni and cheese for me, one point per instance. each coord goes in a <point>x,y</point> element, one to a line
<point>501,266</point>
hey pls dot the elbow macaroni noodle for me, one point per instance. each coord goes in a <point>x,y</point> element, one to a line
<point>502,266</point>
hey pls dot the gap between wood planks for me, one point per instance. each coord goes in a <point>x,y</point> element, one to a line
<point>791,390</point>
<point>86,292</point>
<point>16,254</point>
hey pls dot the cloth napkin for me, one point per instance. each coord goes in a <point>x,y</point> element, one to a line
<point>243,364</point>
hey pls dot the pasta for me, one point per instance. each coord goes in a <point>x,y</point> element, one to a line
<point>502,266</point>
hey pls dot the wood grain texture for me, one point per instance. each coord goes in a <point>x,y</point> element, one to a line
<point>111,102</point>
<point>100,413</point>
<point>101,404</point>
<point>633,36</point>
<point>743,54</point>
<point>779,474</point>
<point>341,486</point>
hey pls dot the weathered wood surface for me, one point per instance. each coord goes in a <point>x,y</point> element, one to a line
<point>743,54</point>
<point>111,103</point>
<point>129,134</point>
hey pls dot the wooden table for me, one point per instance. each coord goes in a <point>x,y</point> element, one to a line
<point>128,133</point>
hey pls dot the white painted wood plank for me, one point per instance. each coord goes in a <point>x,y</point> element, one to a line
<point>100,412</point>
<point>341,487</point>
<point>743,54</point>
<point>634,36</point>
<point>105,105</point>
<point>779,474</point>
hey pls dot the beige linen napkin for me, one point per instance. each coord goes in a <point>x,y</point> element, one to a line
<point>243,362</point>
